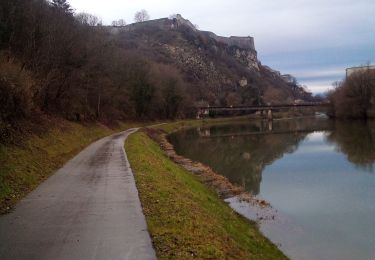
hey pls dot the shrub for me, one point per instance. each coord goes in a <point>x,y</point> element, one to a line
<point>16,92</point>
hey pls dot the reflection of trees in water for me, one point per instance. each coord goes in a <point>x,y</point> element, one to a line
<point>356,139</point>
<point>241,158</point>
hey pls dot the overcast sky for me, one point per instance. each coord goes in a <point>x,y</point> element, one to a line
<point>315,40</point>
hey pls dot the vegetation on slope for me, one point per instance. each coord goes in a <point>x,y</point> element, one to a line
<point>186,219</point>
<point>35,157</point>
<point>58,62</point>
<point>67,64</point>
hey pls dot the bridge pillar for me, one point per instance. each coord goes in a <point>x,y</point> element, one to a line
<point>199,112</point>
<point>269,115</point>
<point>270,126</point>
<point>262,114</point>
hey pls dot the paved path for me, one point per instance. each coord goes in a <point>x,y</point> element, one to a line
<point>89,209</point>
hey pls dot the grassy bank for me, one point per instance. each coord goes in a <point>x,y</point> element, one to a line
<point>23,166</point>
<point>174,126</point>
<point>185,218</point>
<point>43,148</point>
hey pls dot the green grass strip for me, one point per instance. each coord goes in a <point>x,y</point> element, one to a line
<point>186,219</point>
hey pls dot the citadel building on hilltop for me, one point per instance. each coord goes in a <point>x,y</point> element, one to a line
<point>351,71</point>
<point>178,21</point>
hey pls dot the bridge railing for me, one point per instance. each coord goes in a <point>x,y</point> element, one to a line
<point>265,107</point>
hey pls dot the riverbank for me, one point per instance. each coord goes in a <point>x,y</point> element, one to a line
<point>294,167</point>
<point>186,218</point>
<point>29,157</point>
<point>37,155</point>
<point>34,157</point>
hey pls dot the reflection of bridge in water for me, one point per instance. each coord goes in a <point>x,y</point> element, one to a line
<point>268,128</point>
<point>207,133</point>
<point>205,111</point>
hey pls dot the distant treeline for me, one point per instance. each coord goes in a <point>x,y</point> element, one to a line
<point>53,61</point>
<point>354,98</point>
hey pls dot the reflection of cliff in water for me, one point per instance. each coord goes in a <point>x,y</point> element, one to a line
<point>241,151</point>
<point>356,140</point>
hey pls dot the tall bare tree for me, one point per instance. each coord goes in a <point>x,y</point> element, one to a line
<point>120,22</point>
<point>88,19</point>
<point>141,16</point>
<point>355,97</point>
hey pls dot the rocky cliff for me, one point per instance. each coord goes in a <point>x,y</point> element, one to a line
<point>242,48</point>
<point>219,70</point>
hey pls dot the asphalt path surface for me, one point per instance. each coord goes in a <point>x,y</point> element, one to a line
<point>89,209</point>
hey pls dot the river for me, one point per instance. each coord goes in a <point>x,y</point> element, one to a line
<point>317,174</point>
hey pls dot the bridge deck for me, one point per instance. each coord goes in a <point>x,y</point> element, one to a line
<point>264,107</point>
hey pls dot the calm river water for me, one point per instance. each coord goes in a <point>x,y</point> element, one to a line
<point>317,174</point>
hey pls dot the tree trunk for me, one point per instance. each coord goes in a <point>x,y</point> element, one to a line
<point>98,107</point>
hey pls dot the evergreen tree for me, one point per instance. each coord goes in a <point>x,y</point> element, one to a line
<point>62,5</point>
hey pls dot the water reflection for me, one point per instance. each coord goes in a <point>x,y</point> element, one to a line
<point>241,151</point>
<point>356,140</point>
<point>313,171</point>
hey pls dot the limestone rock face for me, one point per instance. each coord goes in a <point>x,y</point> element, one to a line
<point>243,82</point>
<point>194,62</point>
<point>178,20</point>
<point>241,48</point>
<point>247,57</point>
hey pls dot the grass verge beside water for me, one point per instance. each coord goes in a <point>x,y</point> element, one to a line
<point>186,219</point>
<point>38,154</point>
<point>175,126</point>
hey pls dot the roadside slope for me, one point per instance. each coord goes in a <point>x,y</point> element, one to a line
<point>185,218</point>
<point>37,155</point>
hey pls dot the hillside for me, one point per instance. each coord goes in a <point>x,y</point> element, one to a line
<point>63,64</point>
<point>219,70</point>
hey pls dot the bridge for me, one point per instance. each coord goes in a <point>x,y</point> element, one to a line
<point>205,111</point>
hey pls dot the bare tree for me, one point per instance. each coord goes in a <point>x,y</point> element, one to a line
<point>141,16</point>
<point>233,99</point>
<point>88,19</point>
<point>120,22</point>
<point>354,97</point>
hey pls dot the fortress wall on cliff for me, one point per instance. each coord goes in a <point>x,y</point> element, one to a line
<point>241,42</point>
<point>162,24</point>
<point>246,43</point>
